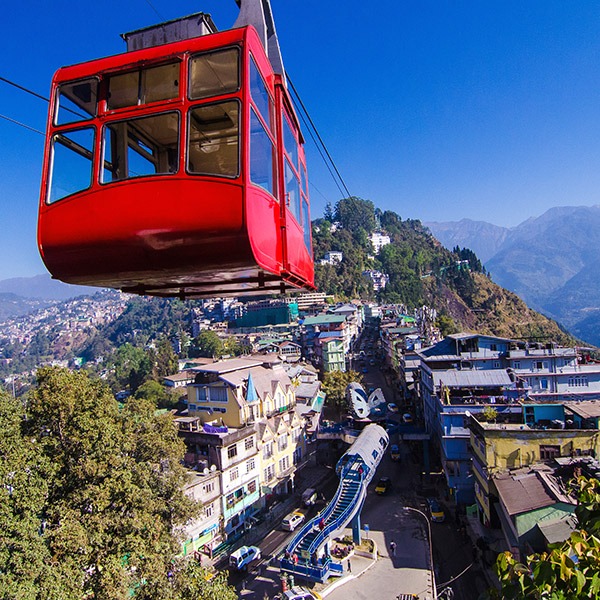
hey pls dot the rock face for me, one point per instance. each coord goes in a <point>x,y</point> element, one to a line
<point>552,262</point>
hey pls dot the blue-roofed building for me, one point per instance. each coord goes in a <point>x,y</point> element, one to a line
<point>462,375</point>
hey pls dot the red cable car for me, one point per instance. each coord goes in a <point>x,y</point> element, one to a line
<point>176,170</point>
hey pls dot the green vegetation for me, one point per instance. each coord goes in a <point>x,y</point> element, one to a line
<point>569,570</point>
<point>420,272</point>
<point>91,497</point>
<point>335,384</point>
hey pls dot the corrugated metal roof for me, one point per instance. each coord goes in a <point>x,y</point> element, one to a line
<point>586,409</point>
<point>480,378</point>
<point>523,493</point>
<point>324,319</point>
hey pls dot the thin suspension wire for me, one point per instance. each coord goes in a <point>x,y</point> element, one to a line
<point>24,89</point>
<point>21,124</point>
<point>154,9</point>
<point>318,147</point>
<point>319,137</point>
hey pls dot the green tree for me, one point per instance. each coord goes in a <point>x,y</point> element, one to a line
<point>209,344</point>
<point>335,384</point>
<point>158,394</point>
<point>23,491</point>
<point>569,570</point>
<point>94,496</point>
<point>165,359</point>
<point>132,366</point>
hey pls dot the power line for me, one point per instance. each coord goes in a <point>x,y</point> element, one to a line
<point>21,124</point>
<point>24,89</point>
<point>154,9</point>
<point>319,137</point>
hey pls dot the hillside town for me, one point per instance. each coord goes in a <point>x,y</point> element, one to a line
<point>497,425</point>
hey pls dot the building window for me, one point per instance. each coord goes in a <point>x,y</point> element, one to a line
<point>208,510</point>
<point>282,442</point>
<point>496,364</point>
<point>209,487</point>
<point>232,451</point>
<point>516,365</point>
<point>284,463</point>
<point>252,487</point>
<point>201,394</point>
<point>269,473</point>
<point>544,384</point>
<point>249,443</point>
<point>549,452</point>
<point>218,394</point>
<point>234,474</point>
<point>230,500</point>
<point>250,465</point>
<point>268,450</point>
<point>578,381</point>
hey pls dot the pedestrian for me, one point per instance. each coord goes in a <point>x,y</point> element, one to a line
<point>393,547</point>
<point>349,566</point>
<point>322,524</point>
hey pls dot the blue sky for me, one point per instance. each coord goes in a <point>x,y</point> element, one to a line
<point>435,109</point>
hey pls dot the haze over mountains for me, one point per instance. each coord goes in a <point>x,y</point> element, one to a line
<point>551,261</point>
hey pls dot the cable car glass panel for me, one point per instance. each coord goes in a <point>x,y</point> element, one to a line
<point>76,101</point>
<point>143,86</point>
<point>292,190</point>
<point>262,155</point>
<point>72,162</point>
<point>141,147</point>
<point>307,226</point>
<point>259,94</point>
<point>290,142</point>
<point>214,73</point>
<point>214,139</point>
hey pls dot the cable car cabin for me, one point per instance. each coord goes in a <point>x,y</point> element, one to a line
<point>176,170</point>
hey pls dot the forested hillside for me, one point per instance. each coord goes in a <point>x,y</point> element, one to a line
<point>421,271</point>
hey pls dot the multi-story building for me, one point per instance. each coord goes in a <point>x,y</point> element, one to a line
<point>460,376</point>
<point>231,405</point>
<point>500,447</point>
<point>553,373</point>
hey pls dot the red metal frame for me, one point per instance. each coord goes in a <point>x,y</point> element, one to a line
<point>176,234</point>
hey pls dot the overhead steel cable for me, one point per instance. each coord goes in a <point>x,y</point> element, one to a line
<point>21,124</point>
<point>341,179</point>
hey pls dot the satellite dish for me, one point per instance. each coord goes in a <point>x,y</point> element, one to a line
<point>468,413</point>
<point>213,468</point>
<point>205,471</point>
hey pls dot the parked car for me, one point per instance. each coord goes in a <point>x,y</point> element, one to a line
<point>309,496</point>
<point>298,593</point>
<point>242,557</point>
<point>436,511</point>
<point>383,486</point>
<point>393,407</point>
<point>291,521</point>
<point>395,452</point>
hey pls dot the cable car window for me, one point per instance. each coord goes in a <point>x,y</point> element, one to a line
<point>139,147</point>
<point>77,101</point>
<point>143,86</point>
<point>71,164</point>
<point>214,139</point>
<point>262,155</point>
<point>214,73</point>
<point>307,226</point>
<point>292,190</point>
<point>289,141</point>
<point>259,94</point>
<point>304,179</point>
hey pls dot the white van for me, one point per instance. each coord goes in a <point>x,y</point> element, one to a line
<point>292,521</point>
<point>242,557</point>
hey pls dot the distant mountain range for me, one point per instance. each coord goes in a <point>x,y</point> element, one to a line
<point>551,261</point>
<point>22,295</point>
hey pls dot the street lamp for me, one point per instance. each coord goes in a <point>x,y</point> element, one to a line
<point>430,545</point>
